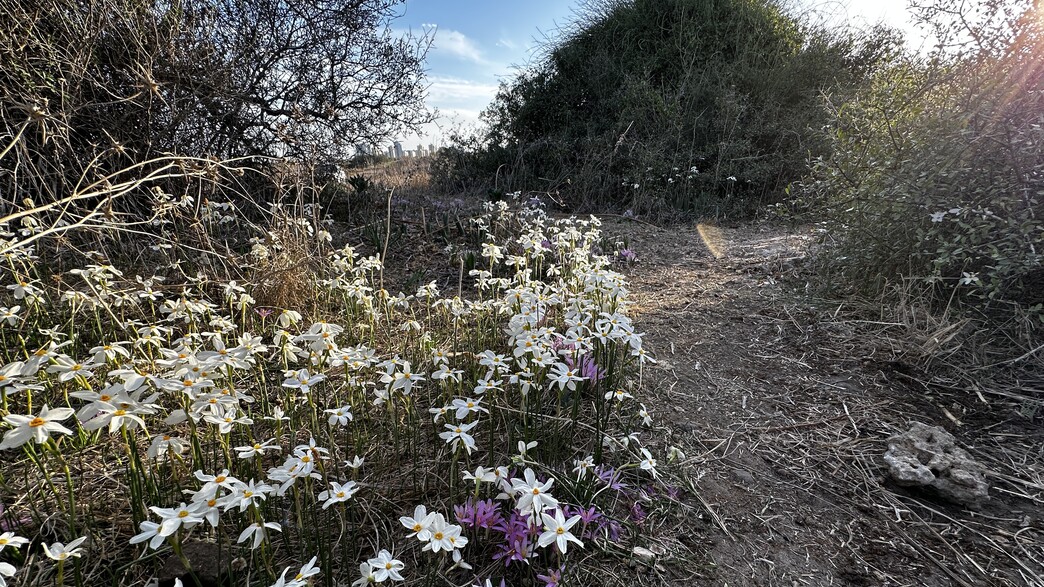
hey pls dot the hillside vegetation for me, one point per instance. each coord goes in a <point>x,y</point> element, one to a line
<point>924,163</point>
<point>693,106</point>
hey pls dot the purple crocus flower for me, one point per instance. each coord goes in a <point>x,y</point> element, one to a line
<point>610,477</point>
<point>638,514</point>
<point>482,514</point>
<point>513,551</point>
<point>587,367</point>
<point>553,577</point>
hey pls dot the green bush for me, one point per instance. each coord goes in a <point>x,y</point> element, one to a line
<point>937,173</point>
<point>705,106</point>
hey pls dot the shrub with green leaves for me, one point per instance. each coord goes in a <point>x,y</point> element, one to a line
<point>938,170</point>
<point>703,106</point>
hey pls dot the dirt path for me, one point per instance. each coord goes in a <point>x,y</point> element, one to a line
<point>783,409</point>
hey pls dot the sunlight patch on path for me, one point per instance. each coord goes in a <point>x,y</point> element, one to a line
<point>713,239</point>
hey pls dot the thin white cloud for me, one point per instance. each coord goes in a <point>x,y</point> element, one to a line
<point>453,91</point>
<point>508,44</point>
<point>458,44</point>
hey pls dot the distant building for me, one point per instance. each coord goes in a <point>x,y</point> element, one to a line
<point>398,150</point>
<point>420,150</point>
<point>391,152</point>
<point>431,149</point>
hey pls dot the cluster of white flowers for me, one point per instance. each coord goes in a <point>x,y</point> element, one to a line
<point>193,372</point>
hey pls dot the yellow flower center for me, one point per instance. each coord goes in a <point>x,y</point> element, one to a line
<point>120,412</point>
<point>220,479</point>
<point>183,514</point>
<point>560,530</point>
<point>340,494</point>
<point>438,536</point>
<point>536,491</point>
<point>37,422</point>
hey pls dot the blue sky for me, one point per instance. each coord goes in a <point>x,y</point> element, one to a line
<point>478,43</point>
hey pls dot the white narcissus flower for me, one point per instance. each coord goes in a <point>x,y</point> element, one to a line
<point>6,570</point>
<point>246,494</point>
<point>164,444</point>
<point>174,518</point>
<point>458,433</point>
<point>256,450</point>
<point>9,539</point>
<point>9,315</point>
<point>645,416</point>
<point>67,368</point>
<point>302,380</point>
<point>419,524</point>
<point>556,531</point>
<point>674,453</point>
<point>366,576</point>
<point>11,373</point>
<point>308,570</point>
<point>583,466</point>
<point>38,428</point>
<point>466,406</point>
<point>150,532</point>
<point>259,532</point>
<point>288,318</point>
<point>338,493</point>
<point>564,376</point>
<point>648,463</point>
<point>60,552</point>
<point>481,475</point>
<point>386,567</point>
<point>339,416</point>
<point>444,536</point>
<point>533,496</point>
